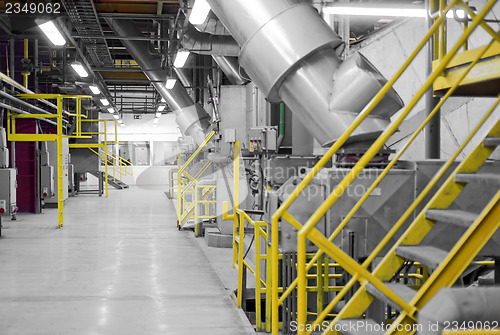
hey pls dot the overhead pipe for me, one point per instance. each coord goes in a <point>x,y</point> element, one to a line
<point>229,65</point>
<point>207,44</point>
<point>298,64</point>
<point>212,25</point>
<point>192,119</point>
<point>231,68</point>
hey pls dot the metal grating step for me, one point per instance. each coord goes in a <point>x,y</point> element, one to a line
<point>403,291</point>
<point>359,327</point>
<point>456,217</point>
<point>426,255</point>
<point>478,178</point>
<point>492,141</point>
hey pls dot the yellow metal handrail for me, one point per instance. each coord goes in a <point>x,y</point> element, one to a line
<point>261,231</point>
<point>185,208</point>
<point>58,137</point>
<point>103,145</point>
<point>308,230</point>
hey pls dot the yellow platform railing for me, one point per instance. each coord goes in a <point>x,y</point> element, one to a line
<point>307,231</point>
<point>101,147</point>
<point>58,137</point>
<point>243,225</point>
<point>186,185</point>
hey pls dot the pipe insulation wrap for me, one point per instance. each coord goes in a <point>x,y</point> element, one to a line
<point>298,64</point>
<point>177,98</point>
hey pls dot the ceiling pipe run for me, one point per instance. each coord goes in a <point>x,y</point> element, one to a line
<point>232,69</point>
<point>298,64</point>
<point>192,119</point>
<point>207,44</point>
<point>212,25</point>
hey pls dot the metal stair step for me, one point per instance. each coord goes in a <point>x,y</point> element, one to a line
<point>359,327</point>
<point>492,141</point>
<point>478,178</point>
<point>456,217</point>
<point>403,291</point>
<point>424,254</point>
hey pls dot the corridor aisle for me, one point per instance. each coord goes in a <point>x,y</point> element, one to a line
<point>119,266</point>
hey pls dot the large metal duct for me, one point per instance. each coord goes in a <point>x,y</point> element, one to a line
<point>212,25</point>
<point>297,64</point>
<point>192,119</point>
<point>207,44</point>
<point>231,67</point>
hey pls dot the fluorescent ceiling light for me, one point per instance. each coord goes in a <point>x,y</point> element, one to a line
<point>111,110</point>
<point>122,125</point>
<point>375,11</point>
<point>161,108</point>
<point>51,31</point>
<point>78,67</point>
<point>95,90</point>
<point>199,12</point>
<point>181,58</point>
<point>116,116</point>
<point>170,83</point>
<point>120,121</point>
<point>158,115</point>
<point>105,102</point>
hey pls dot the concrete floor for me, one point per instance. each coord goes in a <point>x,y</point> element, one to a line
<point>119,266</point>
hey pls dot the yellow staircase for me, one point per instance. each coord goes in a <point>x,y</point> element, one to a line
<point>445,266</point>
<point>448,265</point>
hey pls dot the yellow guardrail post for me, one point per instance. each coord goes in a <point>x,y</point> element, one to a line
<point>236,196</point>
<point>58,137</point>
<point>60,171</point>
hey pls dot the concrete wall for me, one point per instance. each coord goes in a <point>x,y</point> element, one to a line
<point>388,50</point>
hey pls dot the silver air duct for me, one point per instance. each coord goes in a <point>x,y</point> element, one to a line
<point>212,25</point>
<point>192,119</point>
<point>297,64</point>
<point>232,69</point>
<point>207,44</point>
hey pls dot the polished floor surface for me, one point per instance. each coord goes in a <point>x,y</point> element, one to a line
<point>119,266</point>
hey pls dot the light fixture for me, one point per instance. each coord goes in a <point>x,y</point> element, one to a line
<point>111,110</point>
<point>158,115</point>
<point>181,58</point>
<point>78,67</point>
<point>120,121</point>
<point>170,83</point>
<point>122,125</point>
<point>161,108</point>
<point>51,31</point>
<point>105,102</point>
<point>200,11</point>
<point>375,11</point>
<point>116,116</point>
<point>95,90</point>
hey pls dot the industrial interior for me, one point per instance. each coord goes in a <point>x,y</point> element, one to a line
<point>249,166</point>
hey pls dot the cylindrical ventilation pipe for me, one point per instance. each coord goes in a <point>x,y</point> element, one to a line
<point>207,44</point>
<point>192,119</point>
<point>297,64</point>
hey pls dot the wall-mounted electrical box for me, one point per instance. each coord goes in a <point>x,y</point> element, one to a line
<point>263,139</point>
<point>47,181</point>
